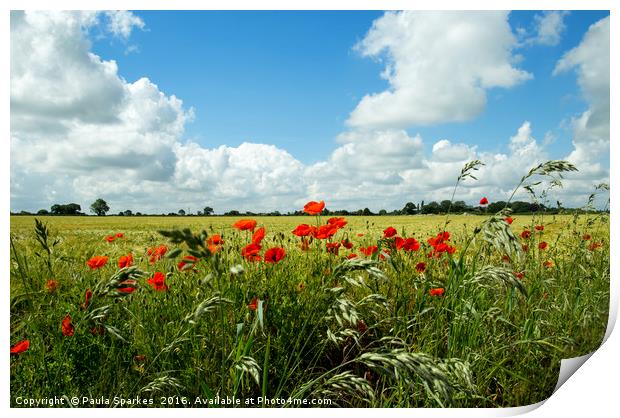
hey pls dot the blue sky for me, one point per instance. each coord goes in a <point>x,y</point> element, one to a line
<point>360,108</point>
<point>292,78</point>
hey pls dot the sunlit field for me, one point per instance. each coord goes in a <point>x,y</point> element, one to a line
<point>424,320</point>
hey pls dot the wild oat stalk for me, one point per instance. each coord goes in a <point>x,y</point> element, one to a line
<point>345,385</point>
<point>490,274</point>
<point>207,306</point>
<point>497,232</point>
<point>127,277</point>
<point>162,384</point>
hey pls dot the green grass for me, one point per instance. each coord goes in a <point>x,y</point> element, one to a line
<point>360,333</point>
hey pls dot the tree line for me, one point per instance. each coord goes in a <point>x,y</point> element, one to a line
<point>100,208</point>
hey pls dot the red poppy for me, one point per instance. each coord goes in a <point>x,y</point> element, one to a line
<point>130,286</point>
<point>259,235</point>
<point>586,237</point>
<point>508,220</point>
<point>339,222</point>
<point>51,285</point>
<point>505,259</point>
<point>361,326</point>
<point>352,255</point>
<point>389,232</point>
<point>119,235</point>
<point>156,253</point>
<point>188,260</point>
<point>542,245</point>
<point>594,246</point>
<point>215,239</point>
<point>302,230</point>
<point>539,227</point>
<point>484,201</point>
<point>332,247</point>
<point>125,261</point>
<point>110,238</point>
<point>526,234</point>
<point>20,347</point>
<point>325,231</point>
<point>436,291</point>
<point>314,208</point>
<point>97,262</point>
<point>87,296</point>
<point>214,248</point>
<point>519,275</point>
<point>360,235</point>
<point>98,330</point>
<point>525,247</point>
<point>273,255</point>
<point>67,327</point>
<point>420,267</point>
<point>158,281</point>
<point>253,305</point>
<point>245,225</point>
<point>548,264</point>
<point>409,244</point>
<point>347,244</point>
<point>368,251</point>
<point>251,252</point>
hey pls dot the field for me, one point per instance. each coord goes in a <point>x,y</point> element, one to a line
<point>469,319</point>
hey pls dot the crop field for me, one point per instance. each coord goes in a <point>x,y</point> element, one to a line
<point>111,311</point>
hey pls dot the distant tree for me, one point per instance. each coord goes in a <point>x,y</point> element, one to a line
<point>383,212</point>
<point>232,213</point>
<point>181,212</point>
<point>496,206</point>
<point>409,209</point>
<point>445,206</point>
<point>43,212</point>
<point>138,214</point>
<point>127,213</point>
<point>207,211</point>
<point>431,208</point>
<point>99,207</point>
<point>68,209</point>
<point>121,213</point>
<point>459,206</point>
<point>367,212</point>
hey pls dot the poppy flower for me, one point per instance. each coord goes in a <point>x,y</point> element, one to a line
<point>368,251</point>
<point>484,201</point>
<point>519,275</point>
<point>420,267</point>
<point>51,285</point>
<point>542,245</point>
<point>119,235</point>
<point>110,238</point>
<point>67,327</point>
<point>409,244</point>
<point>525,247</point>
<point>251,252</point>
<point>87,296</point>
<point>352,255</point>
<point>156,253</point>
<point>594,246</point>
<point>508,220</point>
<point>125,261</point>
<point>98,330</point>
<point>188,260</point>
<point>437,291</point>
<point>20,347</point>
<point>258,236</point>
<point>97,262</point>
<point>215,239</point>
<point>325,231</point>
<point>548,264</point>
<point>314,208</point>
<point>586,237</point>
<point>361,326</point>
<point>346,244</point>
<point>273,255</point>
<point>389,232</point>
<point>253,305</point>
<point>505,259</point>
<point>332,247</point>
<point>245,225</point>
<point>539,227</point>
<point>360,235</point>
<point>302,230</point>
<point>526,234</point>
<point>158,281</point>
<point>339,222</point>
<point>129,286</point>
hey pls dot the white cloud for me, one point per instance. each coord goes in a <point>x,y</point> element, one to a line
<point>122,22</point>
<point>549,27</point>
<point>439,66</point>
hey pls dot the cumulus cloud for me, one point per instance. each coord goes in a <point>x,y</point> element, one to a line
<point>439,66</point>
<point>549,27</point>
<point>122,22</point>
